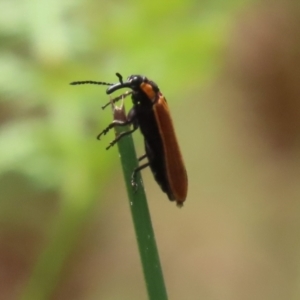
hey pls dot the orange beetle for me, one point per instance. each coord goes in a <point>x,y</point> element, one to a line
<point>151,114</point>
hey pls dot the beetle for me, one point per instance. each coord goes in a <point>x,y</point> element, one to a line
<point>151,114</point>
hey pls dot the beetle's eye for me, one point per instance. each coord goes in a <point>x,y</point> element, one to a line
<point>135,81</point>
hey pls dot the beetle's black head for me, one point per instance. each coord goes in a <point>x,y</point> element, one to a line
<point>133,82</point>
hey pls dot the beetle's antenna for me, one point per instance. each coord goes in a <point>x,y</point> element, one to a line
<point>120,77</point>
<point>90,82</point>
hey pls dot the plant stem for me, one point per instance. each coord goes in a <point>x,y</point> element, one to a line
<point>140,214</point>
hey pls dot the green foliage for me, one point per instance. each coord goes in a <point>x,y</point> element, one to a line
<point>48,127</point>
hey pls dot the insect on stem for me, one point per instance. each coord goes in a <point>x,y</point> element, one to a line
<point>151,114</point>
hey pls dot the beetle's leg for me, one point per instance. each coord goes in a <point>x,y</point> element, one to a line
<point>131,119</point>
<point>123,96</point>
<point>133,175</point>
<point>142,157</point>
<point>112,125</point>
<point>121,135</point>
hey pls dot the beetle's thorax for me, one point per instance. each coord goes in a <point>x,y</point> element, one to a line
<point>146,94</point>
<point>148,90</point>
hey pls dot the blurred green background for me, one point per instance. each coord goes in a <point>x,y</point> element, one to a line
<point>230,72</point>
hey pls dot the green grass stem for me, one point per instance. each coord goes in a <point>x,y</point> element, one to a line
<point>140,216</point>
